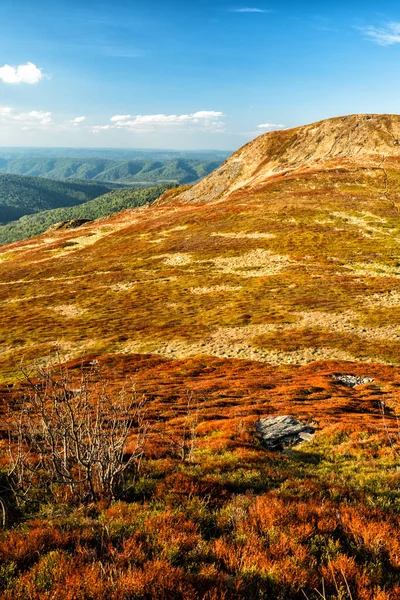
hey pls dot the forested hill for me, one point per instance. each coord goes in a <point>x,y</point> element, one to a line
<point>140,171</point>
<point>26,195</point>
<point>108,204</point>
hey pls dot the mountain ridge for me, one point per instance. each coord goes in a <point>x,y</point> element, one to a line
<point>139,171</point>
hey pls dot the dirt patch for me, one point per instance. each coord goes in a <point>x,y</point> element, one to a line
<point>360,222</point>
<point>123,287</point>
<point>69,310</point>
<point>200,291</point>
<point>384,300</point>
<point>345,323</point>
<point>177,259</point>
<point>373,269</point>
<point>257,263</point>
<point>181,349</point>
<point>239,342</point>
<point>250,236</point>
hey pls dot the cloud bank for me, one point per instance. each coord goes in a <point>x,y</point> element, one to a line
<point>77,120</point>
<point>34,119</point>
<point>270,126</point>
<point>203,120</point>
<point>28,73</point>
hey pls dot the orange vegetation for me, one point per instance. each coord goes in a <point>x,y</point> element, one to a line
<point>236,521</point>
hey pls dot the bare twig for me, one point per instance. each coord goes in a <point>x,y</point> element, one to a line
<point>72,440</point>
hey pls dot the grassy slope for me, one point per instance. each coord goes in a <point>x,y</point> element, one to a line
<point>301,269</point>
<point>319,280</point>
<point>26,195</point>
<point>103,206</point>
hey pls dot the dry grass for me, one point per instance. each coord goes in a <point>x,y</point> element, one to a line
<point>200,291</point>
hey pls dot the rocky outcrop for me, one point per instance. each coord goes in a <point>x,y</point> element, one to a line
<point>278,433</point>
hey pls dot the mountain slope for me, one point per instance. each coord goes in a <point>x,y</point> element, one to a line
<point>26,195</point>
<point>365,140</point>
<point>289,268</point>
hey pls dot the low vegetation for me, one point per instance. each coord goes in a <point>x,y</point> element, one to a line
<point>227,520</point>
<point>270,289</point>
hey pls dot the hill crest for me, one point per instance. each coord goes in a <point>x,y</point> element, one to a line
<point>359,139</point>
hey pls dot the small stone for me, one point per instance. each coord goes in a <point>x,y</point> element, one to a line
<point>351,380</point>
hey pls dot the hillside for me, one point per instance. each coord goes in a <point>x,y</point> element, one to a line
<point>140,171</point>
<point>270,288</point>
<point>365,140</point>
<point>26,195</point>
<point>102,206</point>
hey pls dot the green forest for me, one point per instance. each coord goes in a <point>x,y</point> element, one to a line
<point>21,196</point>
<point>103,206</point>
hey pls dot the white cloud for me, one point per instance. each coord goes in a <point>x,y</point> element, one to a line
<point>250,10</point>
<point>97,128</point>
<point>270,126</point>
<point>28,73</point>
<point>77,120</point>
<point>384,36</point>
<point>34,119</point>
<point>202,120</point>
<point>121,118</point>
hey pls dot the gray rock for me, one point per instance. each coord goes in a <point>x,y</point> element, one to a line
<point>352,380</point>
<point>281,432</point>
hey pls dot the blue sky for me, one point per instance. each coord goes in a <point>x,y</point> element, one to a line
<point>189,75</point>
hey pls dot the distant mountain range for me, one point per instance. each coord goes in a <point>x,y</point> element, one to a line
<point>120,154</point>
<point>139,172</point>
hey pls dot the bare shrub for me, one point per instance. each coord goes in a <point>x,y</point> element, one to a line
<point>182,440</point>
<point>393,437</point>
<point>69,441</point>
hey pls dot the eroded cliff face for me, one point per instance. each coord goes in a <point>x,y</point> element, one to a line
<point>366,140</point>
